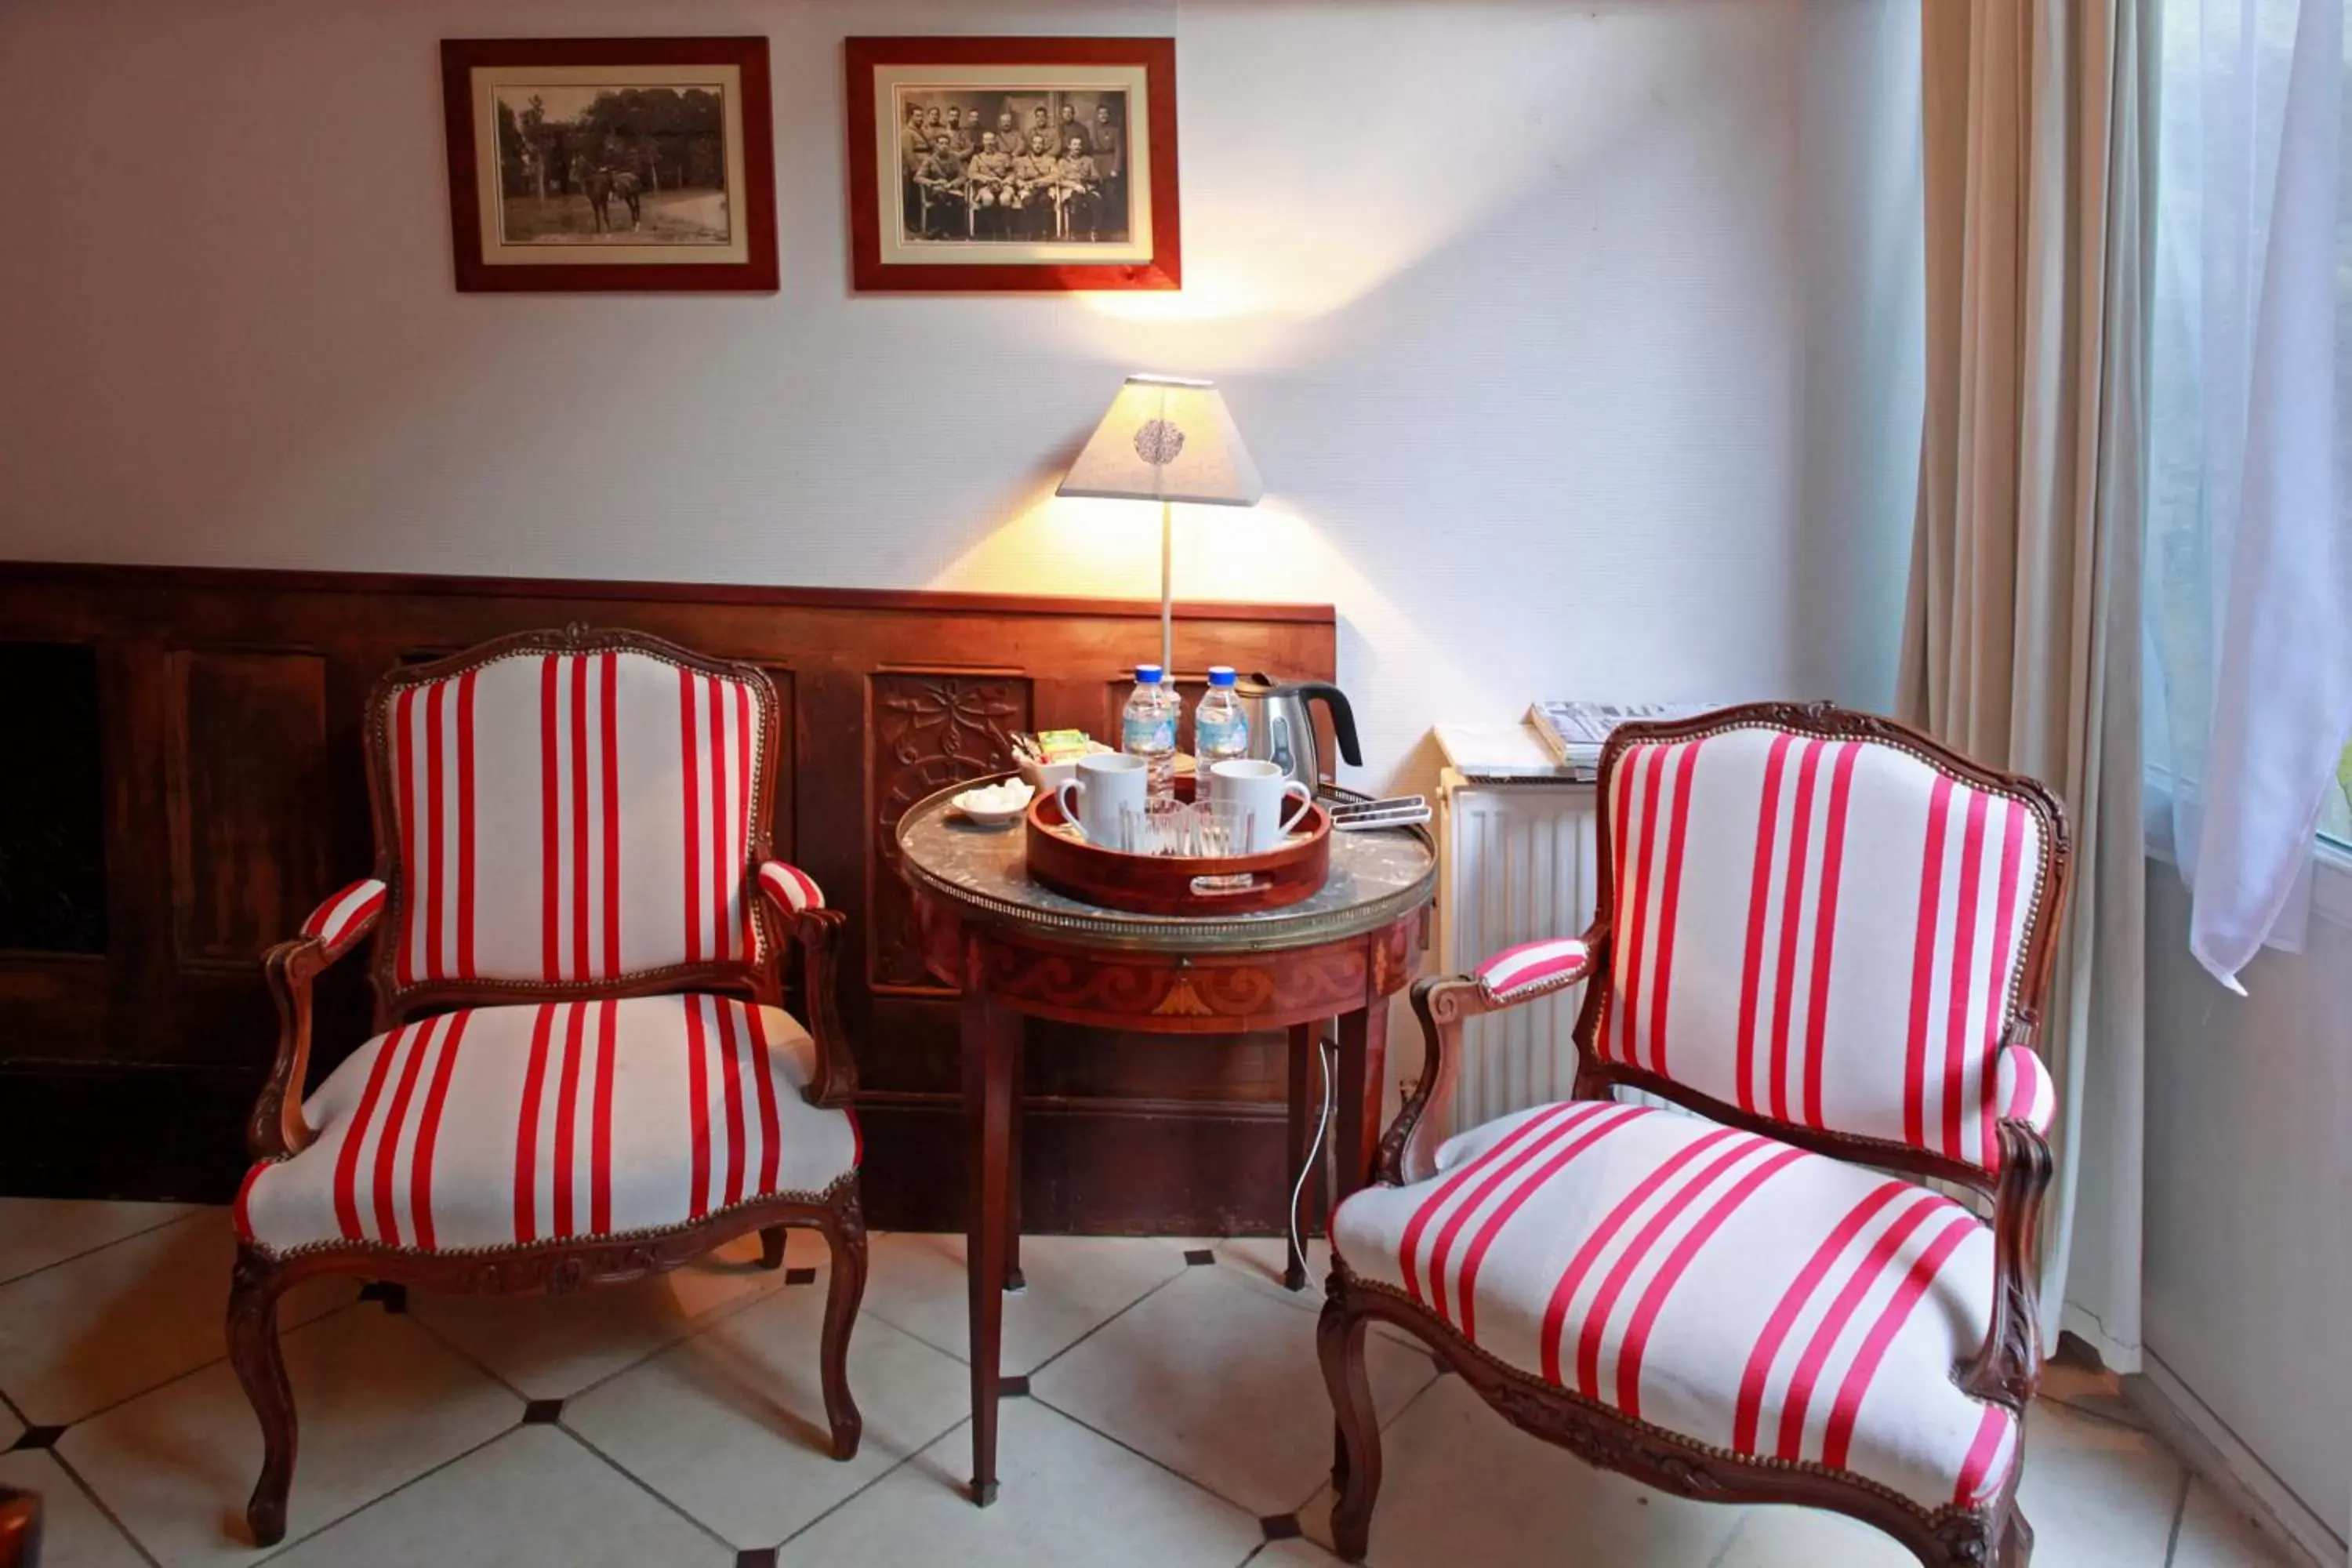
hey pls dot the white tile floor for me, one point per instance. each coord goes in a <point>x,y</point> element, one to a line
<point>1175,1416</point>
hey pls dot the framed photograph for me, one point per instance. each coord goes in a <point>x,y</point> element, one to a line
<point>994,163</point>
<point>605,163</point>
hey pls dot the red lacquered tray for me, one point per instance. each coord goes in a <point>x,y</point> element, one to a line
<point>1178,884</point>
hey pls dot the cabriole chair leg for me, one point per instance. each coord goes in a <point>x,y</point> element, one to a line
<point>771,1247</point>
<point>1356,1467</point>
<point>845,1236</point>
<point>253,1352</point>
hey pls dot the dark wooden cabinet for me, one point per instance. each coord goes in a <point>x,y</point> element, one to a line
<point>182,781</point>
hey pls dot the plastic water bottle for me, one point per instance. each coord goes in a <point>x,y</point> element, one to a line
<point>1148,730</point>
<point>1220,728</point>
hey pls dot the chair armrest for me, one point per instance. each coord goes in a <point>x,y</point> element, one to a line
<point>345,917</point>
<point>2007,1370</point>
<point>1534,969</point>
<point>2024,1091</point>
<point>332,930</point>
<point>816,931</point>
<point>789,888</point>
<point>1408,1150</point>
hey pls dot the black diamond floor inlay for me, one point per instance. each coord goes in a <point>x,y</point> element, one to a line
<point>756,1557</point>
<point>800,1276</point>
<point>1199,1256</point>
<point>1013,1387</point>
<point>393,1297</point>
<point>543,1412</point>
<point>1280,1527</point>
<point>38,1437</point>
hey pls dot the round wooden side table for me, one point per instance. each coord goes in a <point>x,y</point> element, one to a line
<point>1016,950</point>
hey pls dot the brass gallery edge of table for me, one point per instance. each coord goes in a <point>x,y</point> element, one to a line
<point>1018,950</point>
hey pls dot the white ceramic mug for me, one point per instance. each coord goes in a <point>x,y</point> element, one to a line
<point>1105,783</point>
<point>1260,788</point>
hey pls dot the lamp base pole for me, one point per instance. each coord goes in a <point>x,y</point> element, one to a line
<point>1168,590</point>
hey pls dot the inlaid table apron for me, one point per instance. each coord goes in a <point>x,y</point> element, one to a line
<point>1018,949</point>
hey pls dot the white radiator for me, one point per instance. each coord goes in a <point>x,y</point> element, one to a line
<point>1517,862</point>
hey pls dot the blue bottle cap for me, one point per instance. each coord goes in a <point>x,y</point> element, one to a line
<point>1221,674</point>
<point>1146,675</point>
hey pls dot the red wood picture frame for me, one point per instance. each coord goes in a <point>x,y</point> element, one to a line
<point>751,189</point>
<point>870,272</point>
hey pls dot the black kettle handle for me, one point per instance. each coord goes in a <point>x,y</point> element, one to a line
<point>1343,719</point>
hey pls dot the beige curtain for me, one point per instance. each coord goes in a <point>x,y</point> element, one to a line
<point>2021,635</point>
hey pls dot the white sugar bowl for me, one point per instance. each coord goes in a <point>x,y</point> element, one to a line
<point>998,805</point>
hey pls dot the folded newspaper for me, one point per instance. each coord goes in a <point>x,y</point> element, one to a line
<point>1575,731</point>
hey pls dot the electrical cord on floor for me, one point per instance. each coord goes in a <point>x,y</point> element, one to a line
<point>1313,1146</point>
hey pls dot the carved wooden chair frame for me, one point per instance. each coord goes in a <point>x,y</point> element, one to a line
<point>2005,1371</point>
<point>277,1130</point>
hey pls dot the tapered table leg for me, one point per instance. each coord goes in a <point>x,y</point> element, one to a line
<point>1363,1062</point>
<point>991,1038</point>
<point>1014,1280</point>
<point>1301,1136</point>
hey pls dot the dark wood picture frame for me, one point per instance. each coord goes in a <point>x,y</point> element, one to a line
<point>871,273</point>
<point>753,192</point>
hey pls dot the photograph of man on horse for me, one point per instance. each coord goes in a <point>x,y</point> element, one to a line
<point>613,164</point>
<point>601,184</point>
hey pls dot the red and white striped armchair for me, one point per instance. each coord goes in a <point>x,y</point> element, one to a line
<point>584,1072</point>
<point>1829,937</point>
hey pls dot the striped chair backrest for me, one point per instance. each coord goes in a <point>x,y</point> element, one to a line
<point>568,817</point>
<point>1828,932</point>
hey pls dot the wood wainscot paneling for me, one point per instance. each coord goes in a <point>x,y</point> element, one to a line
<point>927,729</point>
<point>186,781</point>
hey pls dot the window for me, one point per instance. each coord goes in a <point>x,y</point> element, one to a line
<point>2247,195</point>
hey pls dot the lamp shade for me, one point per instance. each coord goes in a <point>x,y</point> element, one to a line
<point>1169,440</point>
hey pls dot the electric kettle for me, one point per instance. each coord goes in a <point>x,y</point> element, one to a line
<point>1282,730</point>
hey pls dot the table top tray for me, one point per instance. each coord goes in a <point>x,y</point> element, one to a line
<point>1290,873</point>
<point>1374,878</point>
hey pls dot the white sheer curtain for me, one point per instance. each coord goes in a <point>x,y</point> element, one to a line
<point>2249,599</point>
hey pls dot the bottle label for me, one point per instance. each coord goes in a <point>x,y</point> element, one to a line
<point>1141,733</point>
<point>1220,737</point>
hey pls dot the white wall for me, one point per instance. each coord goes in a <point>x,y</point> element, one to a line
<point>2248,1272</point>
<point>1576,342</point>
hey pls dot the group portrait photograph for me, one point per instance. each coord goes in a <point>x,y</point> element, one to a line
<point>1027,165</point>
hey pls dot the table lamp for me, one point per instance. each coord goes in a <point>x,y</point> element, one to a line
<point>1169,440</point>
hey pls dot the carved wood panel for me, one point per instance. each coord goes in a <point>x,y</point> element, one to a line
<point>930,729</point>
<point>243,772</point>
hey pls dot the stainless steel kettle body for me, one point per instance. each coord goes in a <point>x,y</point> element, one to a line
<point>1282,725</point>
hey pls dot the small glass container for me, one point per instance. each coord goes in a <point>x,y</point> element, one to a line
<point>1221,828</point>
<point>1162,827</point>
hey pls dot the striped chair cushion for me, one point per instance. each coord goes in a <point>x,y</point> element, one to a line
<point>571,817</point>
<point>503,1126</point>
<point>2026,1092</point>
<point>1825,932</point>
<point>1533,968</point>
<point>790,887</point>
<point>341,919</point>
<point>1716,1284</point>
